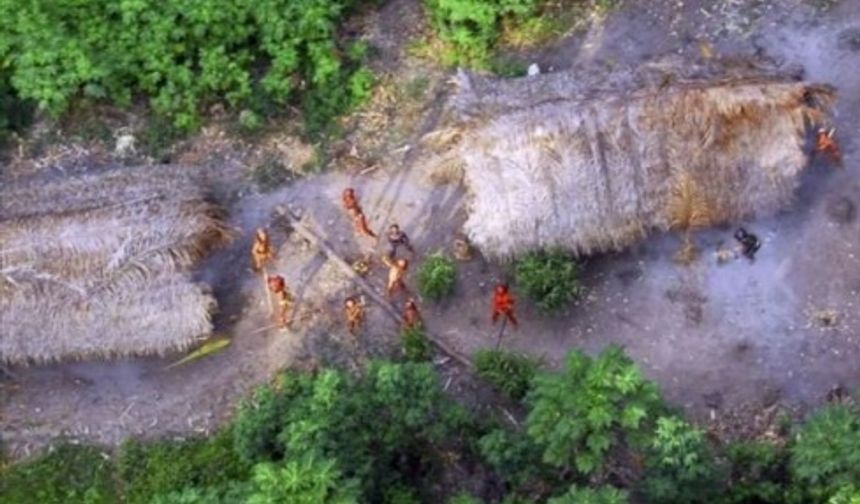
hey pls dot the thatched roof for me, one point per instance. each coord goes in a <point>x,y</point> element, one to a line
<point>98,265</point>
<point>592,164</point>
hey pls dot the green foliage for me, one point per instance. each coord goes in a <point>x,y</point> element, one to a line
<point>600,495</point>
<point>231,493</point>
<point>304,481</point>
<point>579,414</point>
<point>15,114</point>
<point>184,55</point>
<point>70,474</point>
<point>680,465</point>
<point>848,494</point>
<point>507,67</point>
<point>437,276</point>
<point>400,494</point>
<point>758,473</point>
<point>512,373</point>
<point>471,28</point>
<point>465,498</point>
<point>164,467</point>
<point>549,278</point>
<point>158,136</point>
<point>514,457</point>
<point>260,418</point>
<point>826,454</point>
<point>389,417</point>
<point>416,346</point>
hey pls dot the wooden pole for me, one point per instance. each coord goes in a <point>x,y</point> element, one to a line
<point>501,332</point>
<point>266,292</point>
<point>303,231</point>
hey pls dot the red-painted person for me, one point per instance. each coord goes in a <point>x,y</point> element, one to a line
<point>503,305</point>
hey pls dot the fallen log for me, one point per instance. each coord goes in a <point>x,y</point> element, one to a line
<point>299,227</point>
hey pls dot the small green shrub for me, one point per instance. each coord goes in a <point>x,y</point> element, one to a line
<point>231,493</point>
<point>401,494</point>
<point>15,114</point>
<point>680,465</point>
<point>261,417</point>
<point>826,453</point>
<point>437,277</point>
<point>848,494</point>
<point>549,278</point>
<point>510,372</point>
<point>509,68</point>
<point>464,498</point>
<point>515,458</point>
<point>164,467</point>
<point>471,28</point>
<point>599,495</point>
<point>307,480</point>
<point>70,474</point>
<point>759,473</point>
<point>594,404</point>
<point>158,138</point>
<point>416,346</point>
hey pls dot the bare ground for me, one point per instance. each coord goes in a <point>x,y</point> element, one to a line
<point>722,338</point>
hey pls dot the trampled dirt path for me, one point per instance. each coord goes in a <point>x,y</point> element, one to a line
<point>741,333</point>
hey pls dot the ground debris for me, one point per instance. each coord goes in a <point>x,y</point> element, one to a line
<point>825,318</point>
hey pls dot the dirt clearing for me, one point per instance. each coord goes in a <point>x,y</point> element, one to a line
<point>783,329</point>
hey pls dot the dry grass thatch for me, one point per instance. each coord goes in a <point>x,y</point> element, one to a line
<point>592,165</point>
<point>98,265</point>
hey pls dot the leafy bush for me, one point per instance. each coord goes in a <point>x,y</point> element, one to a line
<point>416,346</point>
<point>826,453</point>
<point>471,28</point>
<point>510,372</point>
<point>515,458</point>
<point>465,498</point>
<point>184,55</point>
<point>69,474</point>
<point>388,417</point>
<point>15,114</point>
<point>231,493</point>
<point>260,419</point>
<point>758,473</point>
<point>436,277</point>
<point>848,494</point>
<point>303,481</point>
<point>550,278</point>
<point>600,495</point>
<point>164,467</point>
<point>579,414</point>
<point>680,465</point>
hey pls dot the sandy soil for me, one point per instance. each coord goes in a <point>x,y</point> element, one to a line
<point>714,336</point>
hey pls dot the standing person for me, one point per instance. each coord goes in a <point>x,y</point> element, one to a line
<point>353,208</point>
<point>396,274</point>
<point>411,316</point>
<point>826,144</point>
<point>749,243</point>
<point>261,251</point>
<point>503,305</point>
<point>397,239</point>
<point>278,287</point>
<point>354,311</point>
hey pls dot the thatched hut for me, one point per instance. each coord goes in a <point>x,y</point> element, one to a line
<point>98,265</point>
<point>593,163</point>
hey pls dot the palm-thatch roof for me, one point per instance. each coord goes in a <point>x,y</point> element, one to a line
<point>98,265</point>
<point>595,163</point>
